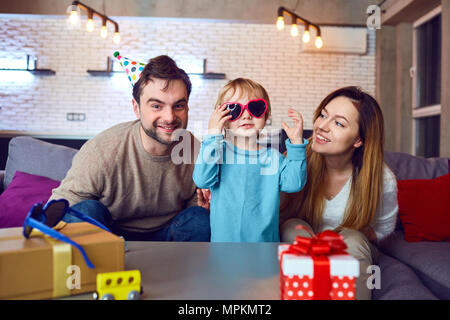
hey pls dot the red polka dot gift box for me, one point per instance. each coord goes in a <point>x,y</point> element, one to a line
<point>317,268</point>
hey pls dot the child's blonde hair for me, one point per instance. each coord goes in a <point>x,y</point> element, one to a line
<point>246,87</point>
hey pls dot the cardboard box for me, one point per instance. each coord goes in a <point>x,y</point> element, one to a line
<point>297,274</point>
<point>29,269</point>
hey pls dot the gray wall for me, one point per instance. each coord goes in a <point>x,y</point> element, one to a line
<point>385,82</point>
<point>404,61</point>
<point>393,83</point>
<point>260,11</point>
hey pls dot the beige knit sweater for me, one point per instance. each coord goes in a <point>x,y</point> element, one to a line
<point>141,191</point>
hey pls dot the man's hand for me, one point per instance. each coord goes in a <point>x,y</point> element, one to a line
<point>203,198</point>
<point>218,119</point>
<point>295,133</point>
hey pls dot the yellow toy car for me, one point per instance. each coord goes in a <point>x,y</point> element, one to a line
<point>121,285</point>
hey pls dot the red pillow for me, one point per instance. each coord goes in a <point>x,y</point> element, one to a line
<point>24,190</point>
<point>424,208</point>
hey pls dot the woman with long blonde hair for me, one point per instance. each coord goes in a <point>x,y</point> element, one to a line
<point>349,188</point>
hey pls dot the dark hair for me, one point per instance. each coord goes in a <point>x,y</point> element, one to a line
<point>161,67</point>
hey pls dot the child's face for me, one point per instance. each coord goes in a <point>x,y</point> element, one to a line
<point>246,125</point>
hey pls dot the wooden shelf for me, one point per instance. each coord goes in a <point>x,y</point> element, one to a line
<point>102,73</point>
<point>105,73</point>
<point>210,75</point>
<point>33,69</point>
<point>39,72</point>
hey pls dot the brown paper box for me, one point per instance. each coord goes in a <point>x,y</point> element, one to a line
<point>26,265</point>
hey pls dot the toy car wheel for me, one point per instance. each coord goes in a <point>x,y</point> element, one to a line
<point>107,297</point>
<point>134,295</point>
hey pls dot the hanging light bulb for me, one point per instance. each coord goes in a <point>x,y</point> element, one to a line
<point>104,31</point>
<point>294,30</point>
<point>306,35</point>
<point>90,22</point>
<point>116,38</point>
<point>319,42</point>
<point>90,25</point>
<point>73,19</point>
<point>294,27</point>
<point>74,16</point>
<point>280,23</point>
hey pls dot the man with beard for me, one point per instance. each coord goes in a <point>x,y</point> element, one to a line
<point>125,178</point>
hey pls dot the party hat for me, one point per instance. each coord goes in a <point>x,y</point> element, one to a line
<point>132,68</point>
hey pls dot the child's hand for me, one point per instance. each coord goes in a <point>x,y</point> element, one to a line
<point>203,198</point>
<point>218,119</point>
<point>295,133</point>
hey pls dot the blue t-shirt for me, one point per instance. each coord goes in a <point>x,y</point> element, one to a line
<point>245,187</point>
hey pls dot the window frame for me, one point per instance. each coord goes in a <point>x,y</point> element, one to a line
<point>430,110</point>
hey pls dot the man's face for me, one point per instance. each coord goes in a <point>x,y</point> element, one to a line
<point>162,111</point>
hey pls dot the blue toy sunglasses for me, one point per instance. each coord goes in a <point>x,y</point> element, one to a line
<point>44,218</point>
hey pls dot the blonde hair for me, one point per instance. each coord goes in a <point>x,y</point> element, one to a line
<point>367,178</point>
<point>247,88</point>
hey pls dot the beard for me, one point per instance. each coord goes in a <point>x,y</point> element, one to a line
<point>152,133</point>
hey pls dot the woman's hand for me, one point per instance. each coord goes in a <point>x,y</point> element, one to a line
<point>218,119</point>
<point>204,198</point>
<point>295,133</point>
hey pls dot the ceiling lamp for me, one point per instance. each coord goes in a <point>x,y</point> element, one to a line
<point>74,18</point>
<point>294,27</point>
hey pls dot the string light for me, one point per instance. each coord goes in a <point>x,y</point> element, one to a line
<point>294,30</point>
<point>306,36</point>
<point>294,27</point>
<point>90,25</point>
<point>319,42</point>
<point>116,38</point>
<point>90,22</point>
<point>74,17</point>
<point>280,23</point>
<point>104,31</point>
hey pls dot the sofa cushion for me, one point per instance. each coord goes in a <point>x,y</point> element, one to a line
<point>2,177</point>
<point>23,191</point>
<point>429,260</point>
<point>406,166</point>
<point>399,282</point>
<point>424,208</point>
<point>37,157</point>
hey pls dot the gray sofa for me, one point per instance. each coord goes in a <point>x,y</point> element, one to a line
<point>414,270</point>
<point>418,270</point>
<point>37,157</point>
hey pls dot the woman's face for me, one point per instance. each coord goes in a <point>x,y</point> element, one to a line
<point>336,130</point>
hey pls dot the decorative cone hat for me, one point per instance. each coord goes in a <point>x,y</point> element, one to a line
<point>132,68</point>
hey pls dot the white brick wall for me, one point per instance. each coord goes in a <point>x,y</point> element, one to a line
<point>257,51</point>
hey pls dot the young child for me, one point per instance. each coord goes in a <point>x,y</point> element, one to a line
<point>244,177</point>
